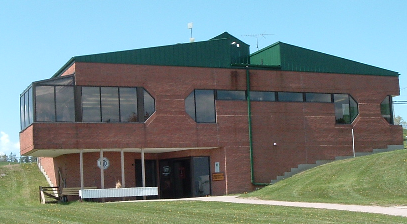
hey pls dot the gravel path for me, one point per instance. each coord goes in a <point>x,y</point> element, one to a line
<point>393,210</point>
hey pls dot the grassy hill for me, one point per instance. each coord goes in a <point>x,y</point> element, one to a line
<point>379,179</point>
<point>19,203</point>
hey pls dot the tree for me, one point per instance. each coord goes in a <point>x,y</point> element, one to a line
<point>3,157</point>
<point>398,120</point>
<point>12,158</point>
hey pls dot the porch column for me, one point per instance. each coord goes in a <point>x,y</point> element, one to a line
<point>81,167</point>
<point>143,168</point>
<point>102,171</point>
<point>122,165</point>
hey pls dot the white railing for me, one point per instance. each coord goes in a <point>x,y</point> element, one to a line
<point>118,192</point>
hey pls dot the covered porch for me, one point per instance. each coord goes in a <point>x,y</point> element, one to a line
<point>161,157</point>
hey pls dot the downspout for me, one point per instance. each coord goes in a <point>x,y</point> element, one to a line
<point>249,117</point>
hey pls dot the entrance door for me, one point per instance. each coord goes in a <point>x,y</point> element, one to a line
<point>175,179</point>
<point>184,177</point>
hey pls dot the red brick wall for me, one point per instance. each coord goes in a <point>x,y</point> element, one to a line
<point>304,132</point>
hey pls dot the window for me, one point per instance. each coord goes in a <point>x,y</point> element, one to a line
<point>386,108</point>
<point>200,105</point>
<point>65,103</point>
<point>59,100</point>
<point>262,96</point>
<point>290,97</point>
<point>102,104</point>
<point>149,105</point>
<point>318,97</point>
<point>110,104</point>
<point>190,105</point>
<point>230,95</point>
<point>44,103</point>
<point>91,104</point>
<point>346,108</point>
<point>128,105</point>
<point>26,108</point>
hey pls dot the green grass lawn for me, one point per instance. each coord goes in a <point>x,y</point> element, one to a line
<point>379,179</point>
<point>19,203</point>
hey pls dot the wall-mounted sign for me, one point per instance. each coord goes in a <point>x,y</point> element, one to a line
<point>103,162</point>
<point>217,167</point>
<point>218,176</point>
<point>166,170</point>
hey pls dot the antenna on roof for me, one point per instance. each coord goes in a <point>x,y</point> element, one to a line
<point>191,39</point>
<point>257,37</point>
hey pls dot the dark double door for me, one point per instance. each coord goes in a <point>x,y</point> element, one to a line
<point>184,177</point>
<point>178,178</point>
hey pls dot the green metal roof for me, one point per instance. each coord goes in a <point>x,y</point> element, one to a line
<point>292,58</point>
<point>226,51</point>
<point>220,52</point>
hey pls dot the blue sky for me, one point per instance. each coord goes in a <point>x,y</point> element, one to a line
<point>38,37</point>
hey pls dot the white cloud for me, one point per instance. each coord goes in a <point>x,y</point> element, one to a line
<point>6,146</point>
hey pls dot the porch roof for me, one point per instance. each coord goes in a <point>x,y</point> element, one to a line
<point>59,152</point>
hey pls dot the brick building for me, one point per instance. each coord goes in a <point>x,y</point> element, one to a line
<point>203,118</point>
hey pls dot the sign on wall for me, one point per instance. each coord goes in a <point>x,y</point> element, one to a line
<point>103,162</point>
<point>218,176</point>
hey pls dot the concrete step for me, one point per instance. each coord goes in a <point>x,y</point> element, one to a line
<point>322,162</point>
<point>363,154</point>
<point>303,167</point>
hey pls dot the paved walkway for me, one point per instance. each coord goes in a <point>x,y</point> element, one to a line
<point>394,210</point>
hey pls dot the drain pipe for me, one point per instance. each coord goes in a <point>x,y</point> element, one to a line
<point>249,116</point>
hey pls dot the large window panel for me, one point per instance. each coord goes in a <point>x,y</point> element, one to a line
<point>30,106</point>
<point>190,105</point>
<point>386,109</point>
<point>26,105</point>
<point>110,104</point>
<point>230,95</point>
<point>149,105</point>
<point>128,104</point>
<point>342,115</point>
<point>65,103</point>
<point>45,103</point>
<point>353,109</point>
<point>318,97</point>
<point>262,96</point>
<point>290,97</point>
<point>91,104</point>
<point>22,112</point>
<point>205,106</point>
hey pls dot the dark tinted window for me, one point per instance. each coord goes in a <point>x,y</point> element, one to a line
<point>386,109</point>
<point>290,97</point>
<point>149,105</point>
<point>65,103</point>
<point>205,106</point>
<point>230,95</point>
<point>44,107</point>
<point>91,104</point>
<point>318,97</point>
<point>190,105</point>
<point>262,96</point>
<point>110,104</point>
<point>346,108</point>
<point>128,104</point>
